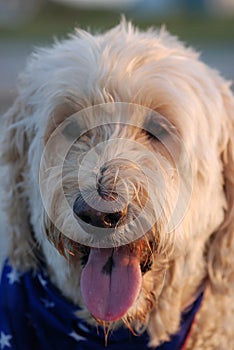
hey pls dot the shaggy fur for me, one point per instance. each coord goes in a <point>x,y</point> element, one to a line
<point>154,70</point>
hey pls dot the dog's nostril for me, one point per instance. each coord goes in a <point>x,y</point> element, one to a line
<point>85,218</point>
<point>112,220</point>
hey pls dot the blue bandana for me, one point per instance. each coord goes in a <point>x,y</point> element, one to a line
<point>34,315</point>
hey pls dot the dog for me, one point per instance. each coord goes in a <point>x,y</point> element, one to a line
<point>119,197</point>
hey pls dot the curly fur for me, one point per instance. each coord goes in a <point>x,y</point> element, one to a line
<point>154,70</point>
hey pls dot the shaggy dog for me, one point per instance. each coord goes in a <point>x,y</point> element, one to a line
<point>119,198</point>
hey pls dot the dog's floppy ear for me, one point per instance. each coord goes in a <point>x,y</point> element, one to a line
<point>221,249</point>
<point>14,149</point>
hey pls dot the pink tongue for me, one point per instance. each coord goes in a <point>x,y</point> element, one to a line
<point>110,282</point>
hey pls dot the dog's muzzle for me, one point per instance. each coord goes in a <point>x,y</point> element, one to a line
<point>112,200</point>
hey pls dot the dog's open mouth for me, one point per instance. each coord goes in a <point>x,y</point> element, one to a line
<point>111,279</point>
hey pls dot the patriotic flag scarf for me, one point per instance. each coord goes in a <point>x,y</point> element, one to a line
<point>35,315</point>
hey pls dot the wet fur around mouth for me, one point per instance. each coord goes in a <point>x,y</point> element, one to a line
<point>146,259</point>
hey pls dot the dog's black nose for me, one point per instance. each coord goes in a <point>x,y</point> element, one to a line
<point>94,217</point>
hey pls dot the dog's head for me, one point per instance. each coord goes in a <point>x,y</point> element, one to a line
<point>121,161</point>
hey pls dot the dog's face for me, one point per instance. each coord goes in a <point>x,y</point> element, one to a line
<point>120,183</point>
<point>127,134</point>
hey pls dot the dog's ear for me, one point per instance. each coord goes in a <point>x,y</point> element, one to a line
<point>14,150</point>
<point>221,249</point>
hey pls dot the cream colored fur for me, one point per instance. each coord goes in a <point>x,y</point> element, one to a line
<point>155,70</point>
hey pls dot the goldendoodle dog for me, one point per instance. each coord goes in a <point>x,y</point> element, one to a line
<point>119,196</point>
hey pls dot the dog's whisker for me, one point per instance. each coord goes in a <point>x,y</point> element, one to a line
<point>106,327</point>
<point>128,325</point>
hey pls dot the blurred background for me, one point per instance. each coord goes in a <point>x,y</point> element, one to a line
<point>208,25</point>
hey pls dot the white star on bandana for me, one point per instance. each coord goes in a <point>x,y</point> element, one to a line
<point>13,276</point>
<point>77,337</point>
<point>47,303</point>
<point>42,280</point>
<point>5,340</point>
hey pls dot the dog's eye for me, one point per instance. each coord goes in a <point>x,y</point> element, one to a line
<point>157,128</point>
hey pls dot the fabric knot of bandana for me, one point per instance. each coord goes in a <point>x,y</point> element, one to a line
<point>35,315</point>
